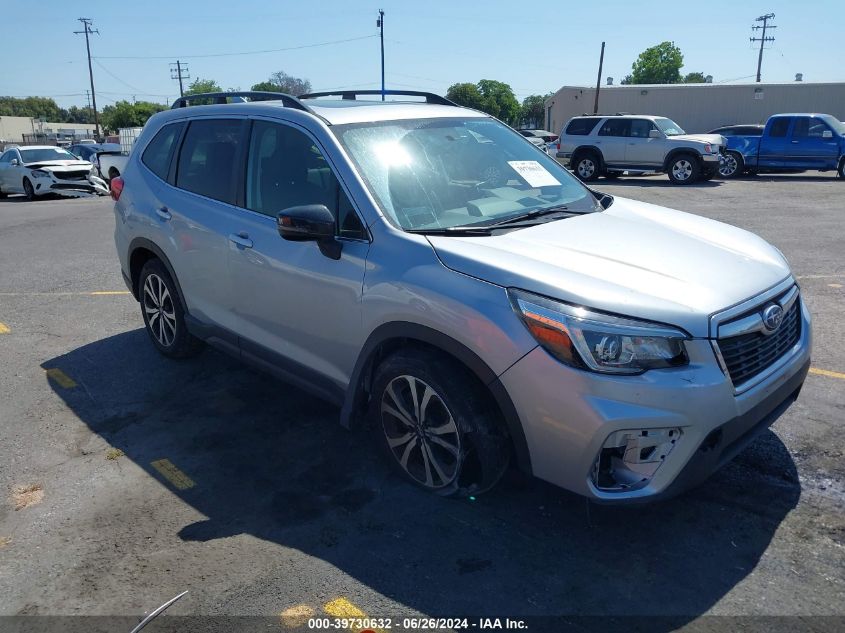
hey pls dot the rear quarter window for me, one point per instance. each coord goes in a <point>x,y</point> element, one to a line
<point>582,126</point>
<point>159,152</point>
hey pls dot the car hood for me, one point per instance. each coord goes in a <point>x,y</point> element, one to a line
<point>713,139</point>
<point>60,165</point>
<point>635,259</point>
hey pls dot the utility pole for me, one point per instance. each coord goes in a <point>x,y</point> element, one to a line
<point>380,24</point>
<point>598,81</point>
<point>180,72</point>
<point>762,39</point>
<point>86,29</point>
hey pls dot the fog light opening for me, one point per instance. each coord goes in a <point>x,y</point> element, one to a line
<point>629,459</point>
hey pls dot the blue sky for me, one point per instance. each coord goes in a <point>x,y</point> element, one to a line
<point>429,45</point>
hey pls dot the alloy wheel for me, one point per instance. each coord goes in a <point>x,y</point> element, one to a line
<point>420,432</point>
<point>158,306</point>
<point>586,168</point>
<point>728,166</point>
<point>682,169</point>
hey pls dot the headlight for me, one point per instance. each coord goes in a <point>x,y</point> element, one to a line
<point>599,342</point>
<point>40,173</point>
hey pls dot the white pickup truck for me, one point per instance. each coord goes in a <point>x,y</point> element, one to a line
<point>111,165</point>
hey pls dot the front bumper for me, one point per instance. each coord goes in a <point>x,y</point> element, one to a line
<point>567,415</point>
<point>70,188</point>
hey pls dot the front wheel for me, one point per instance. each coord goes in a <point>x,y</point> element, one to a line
<point>28,190</point>
<point>684,169</point>
<point>437,424</point>
<point>731,165</point>
<point>164,314</point>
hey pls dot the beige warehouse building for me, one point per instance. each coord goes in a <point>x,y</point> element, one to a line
<point>699,107</point>
<point>24,129</point>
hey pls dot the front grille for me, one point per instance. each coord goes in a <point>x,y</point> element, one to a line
<point>747,355</point>
<point>72,175</point>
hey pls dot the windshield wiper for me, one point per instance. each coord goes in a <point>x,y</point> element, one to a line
<point>536,213</point>
<point>453,230</point>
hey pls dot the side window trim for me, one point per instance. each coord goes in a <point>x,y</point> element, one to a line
<point>174,157</point>
<point>335,171</point>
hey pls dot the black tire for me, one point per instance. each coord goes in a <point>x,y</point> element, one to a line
<point>841,171</point>
<point>28,190</point>
<point>587,166</point>
<point>2,193</point>
<point>708,175</point>
<point>732,166</point>
<point>684,169</point>
<point>164,314</point>
<point>470,451</point>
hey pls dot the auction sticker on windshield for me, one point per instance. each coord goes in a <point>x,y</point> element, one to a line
<point>533,173</point>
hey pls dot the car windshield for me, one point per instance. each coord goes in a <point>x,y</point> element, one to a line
<point>440,173</point>
<point>837,125</point>
<point>44,154</point>
<point>669,127</point>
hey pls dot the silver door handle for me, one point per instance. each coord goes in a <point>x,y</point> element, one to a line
<point>164,213</point>
<point>794,141</point>
<point>241,239</point>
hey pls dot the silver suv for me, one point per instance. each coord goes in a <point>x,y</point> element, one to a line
<point>607,146</point>
<point>454,288</point>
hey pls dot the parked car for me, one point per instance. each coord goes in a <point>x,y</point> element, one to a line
<point>789,143</point>
<point>37,170</point>
<point>543,139</point>
<point>423,268</point>
<point>594,146</point>
<point>112,164</point>
<point>88,151</point>
<point>753,129</point>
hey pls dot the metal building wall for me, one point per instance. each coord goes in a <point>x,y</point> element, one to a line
<point>700,107</point>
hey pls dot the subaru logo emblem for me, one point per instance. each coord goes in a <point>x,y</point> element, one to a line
<point>772,317</point>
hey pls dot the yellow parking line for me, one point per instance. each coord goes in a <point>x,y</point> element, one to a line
<point>4,329</point>
<point>166,469</point>
<point>342,608</point>
<point>827,372</point>
<point>60,378</point>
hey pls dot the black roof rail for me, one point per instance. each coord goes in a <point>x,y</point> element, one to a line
<point>352,95</point>
<point>221,97</point>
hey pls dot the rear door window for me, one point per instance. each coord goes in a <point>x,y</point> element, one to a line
<point>159,152</point>
<point>207,158</point>
<point>779,127</point>
<point>615,127</point>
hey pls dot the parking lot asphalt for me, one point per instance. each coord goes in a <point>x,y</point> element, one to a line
<point>128,478</point>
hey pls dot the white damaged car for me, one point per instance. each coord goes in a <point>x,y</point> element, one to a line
<point>37,170</point>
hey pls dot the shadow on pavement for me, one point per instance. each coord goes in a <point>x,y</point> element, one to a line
<point>272,462</point>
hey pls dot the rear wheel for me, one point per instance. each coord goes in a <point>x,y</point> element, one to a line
<point>164,314</point>
<point>731,165</point>
<point>684,169</point>
<point>586,166</point>
<point>28,190</point>
<point>437,424</point>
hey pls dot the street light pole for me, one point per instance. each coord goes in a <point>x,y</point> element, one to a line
<point>380,24</point>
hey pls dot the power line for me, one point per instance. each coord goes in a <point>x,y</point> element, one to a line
<point>135,90</point>
<point>260,52</point>
<point>762,39</point>
<point>87,30</point>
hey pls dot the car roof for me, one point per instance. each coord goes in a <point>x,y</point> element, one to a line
<point>38,147</point>
<point>332,111</point>
<point>619,116</point>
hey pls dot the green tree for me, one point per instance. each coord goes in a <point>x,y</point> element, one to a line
<point>659,64</point>
<point>126,114</point>
<point>467,95</point>
<point>694,78</point>
<point>533,111</point>
<point>199,86</point>
<point>288,84</point>
<point>266,86</point>
<point>499,100</point>
<point>79,115</point>
<point>36,107</point>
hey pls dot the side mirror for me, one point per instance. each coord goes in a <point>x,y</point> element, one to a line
<point>827,134</point>
<point>655,134</point>
<point>15,162</point>
<point>311,222</point>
